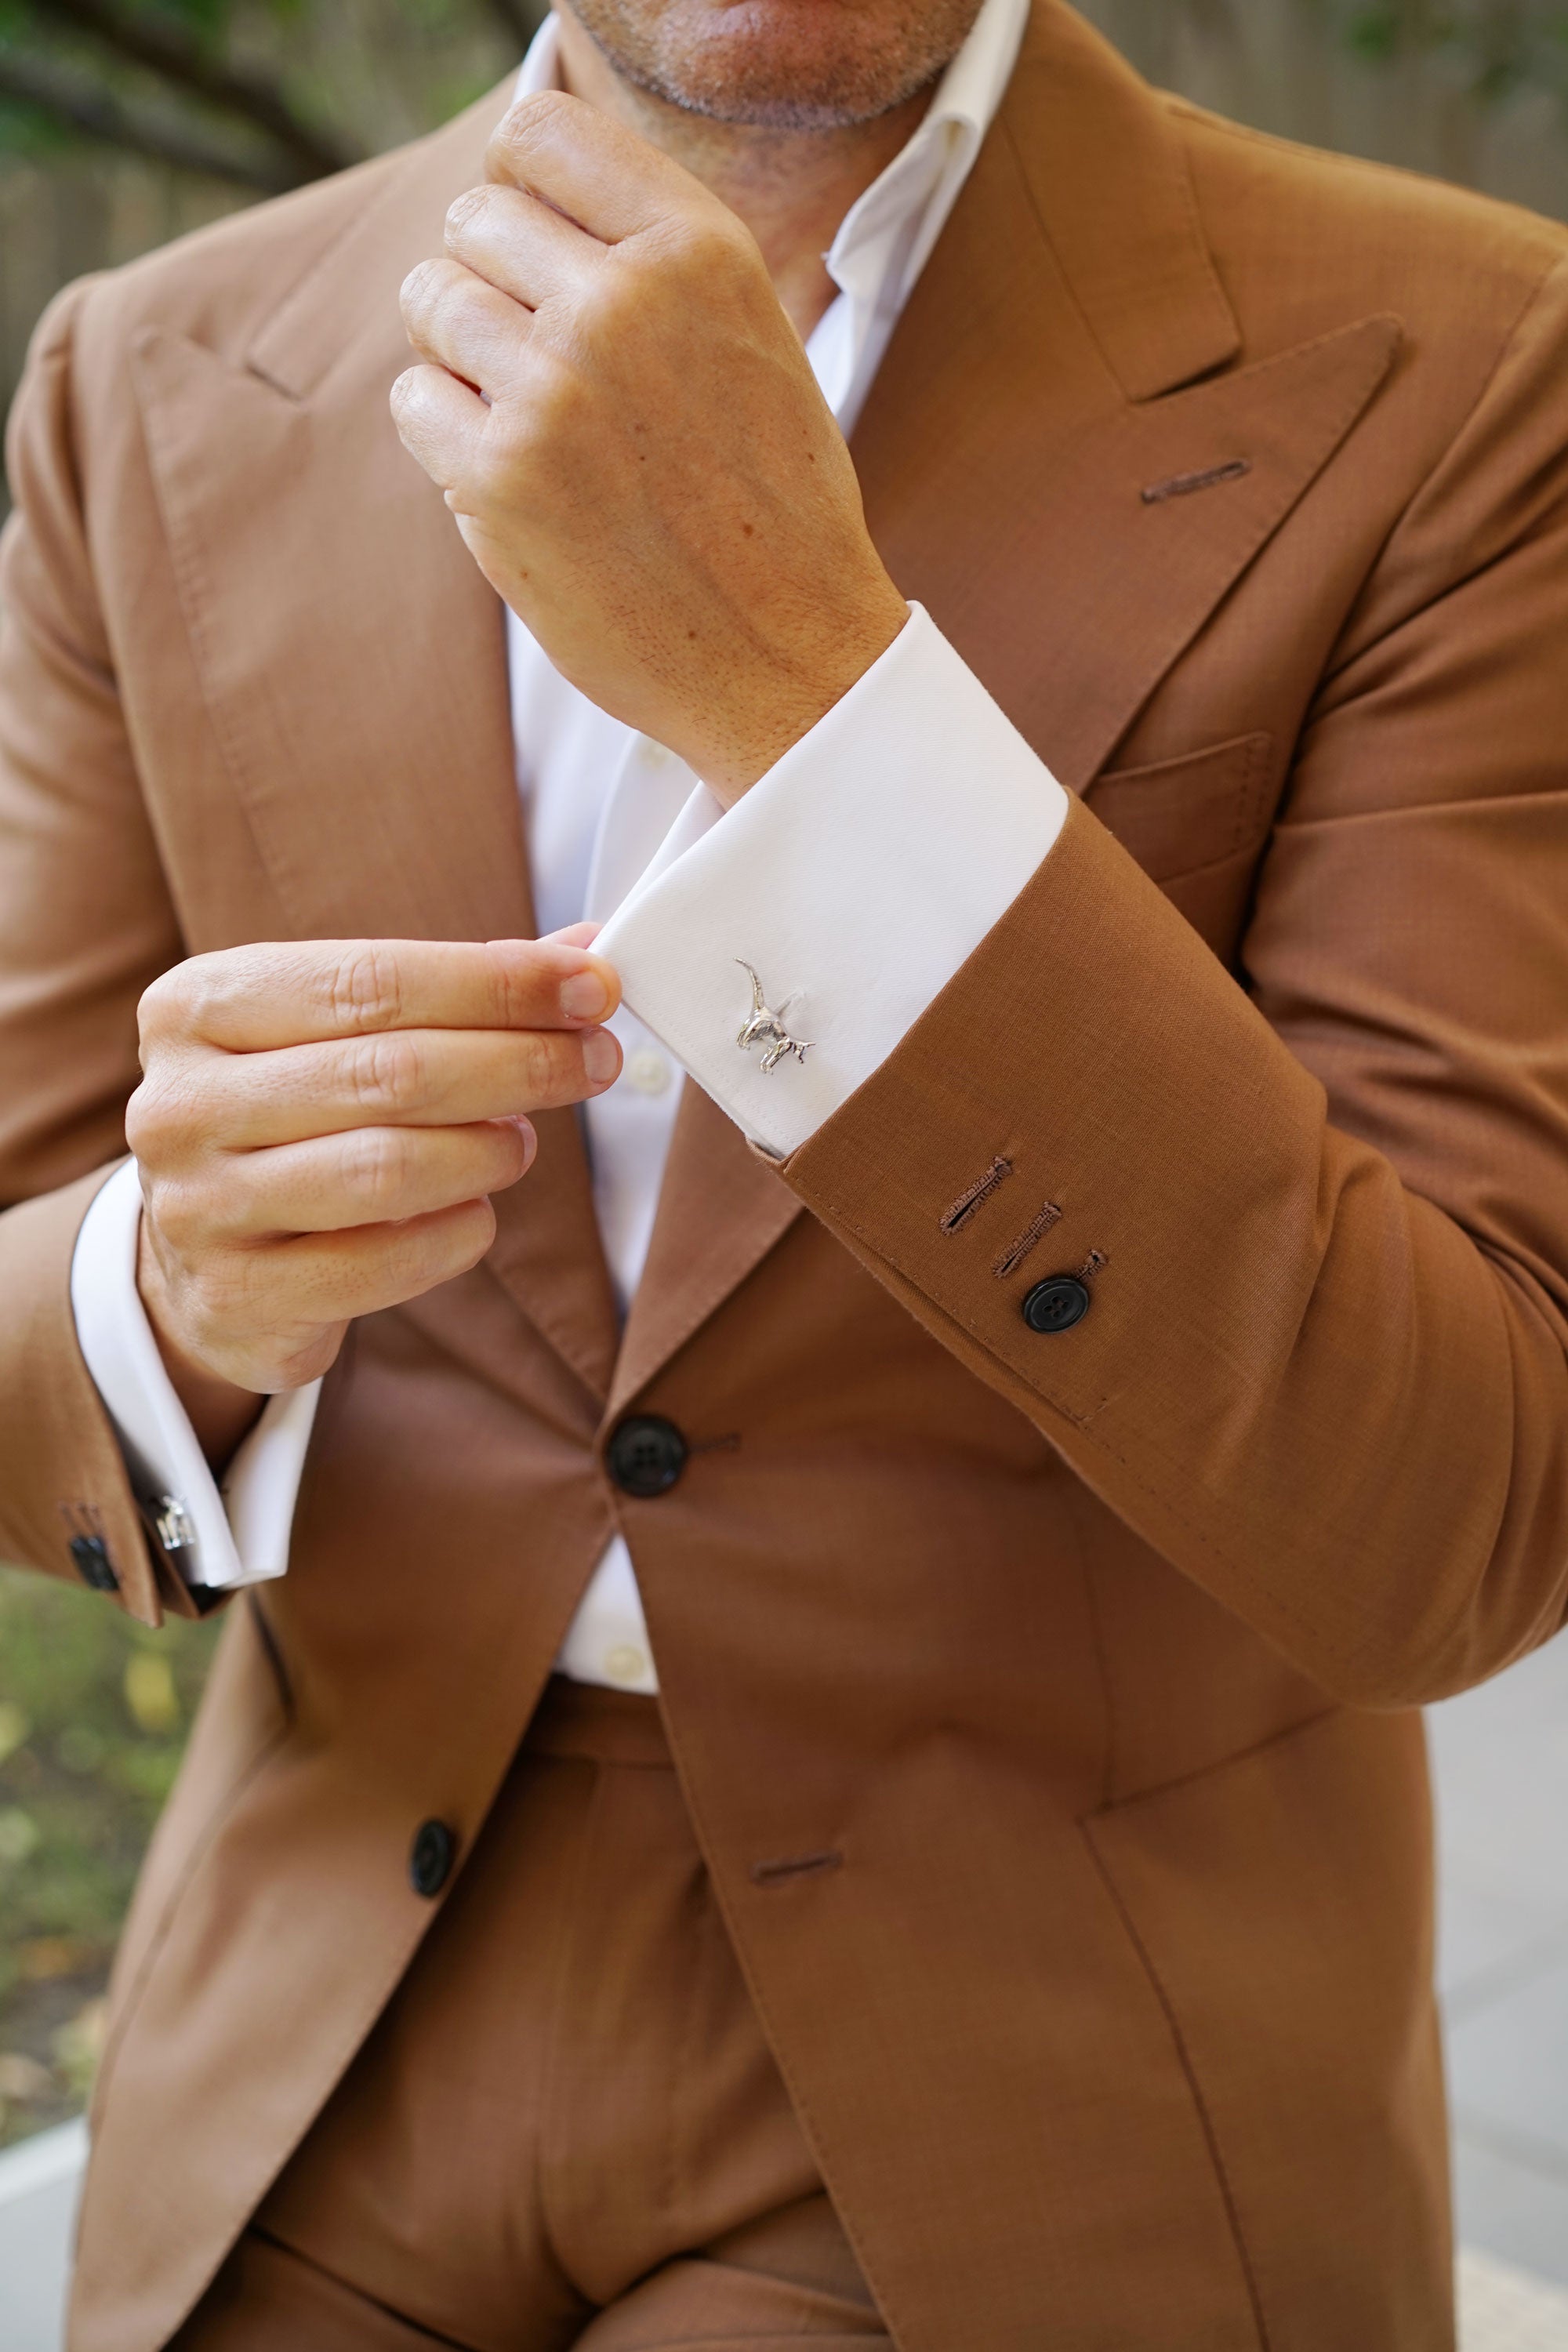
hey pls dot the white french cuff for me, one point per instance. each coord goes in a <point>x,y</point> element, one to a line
<point>854,879</point>
<point>233,1536</point>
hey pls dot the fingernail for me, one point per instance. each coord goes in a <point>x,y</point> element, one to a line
<point>585,997</point>
<point>529,1134</point>
<point>601,1056</point>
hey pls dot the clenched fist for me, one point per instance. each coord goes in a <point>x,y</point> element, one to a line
<point>320,1127</point>
<point>628,430</point>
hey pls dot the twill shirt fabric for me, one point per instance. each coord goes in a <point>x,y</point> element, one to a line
<point>1236,474</point>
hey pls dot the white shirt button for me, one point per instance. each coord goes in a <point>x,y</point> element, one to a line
<point>647,1072</point>
<point>626,1664</point>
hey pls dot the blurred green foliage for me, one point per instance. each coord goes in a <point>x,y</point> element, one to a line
<point>94,1710</point>
<point>265,94</point>
<point>1492,47</point>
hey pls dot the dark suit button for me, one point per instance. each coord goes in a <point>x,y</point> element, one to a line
<point>430,1860</point>
<point>90,1554</point>
<point>646,1454</point>
<point>1057,1304</point>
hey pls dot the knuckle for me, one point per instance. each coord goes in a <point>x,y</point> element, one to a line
<point>703,243</point>
<point>143,1123</point>
<point>364,987</point>
<point>462,213</point>
<point>552,1066</point>
<point>515,981</point>
<point>387,1073</point>
<point>172,1006</point>
<point>375,1168</point>
<point>162,1124</point>
<point>229,1295</point>
<point>531,121</point>
<point>179,1212</point>
<point>195,998</point>
<point>419,290</point>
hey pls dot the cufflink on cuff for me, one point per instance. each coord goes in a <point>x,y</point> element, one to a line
<point>766,1028</point>
<point>172,1523</point>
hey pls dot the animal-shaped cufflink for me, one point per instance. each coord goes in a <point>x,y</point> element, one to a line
<point>766,1029</point>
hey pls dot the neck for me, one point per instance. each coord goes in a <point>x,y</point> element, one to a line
<point>792,188</point>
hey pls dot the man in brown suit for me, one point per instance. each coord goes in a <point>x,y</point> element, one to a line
<point>1010,1928</point>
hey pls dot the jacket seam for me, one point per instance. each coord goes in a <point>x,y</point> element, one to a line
<point>1112,1808</point>
<point>1200,2105</point>
<point>801,2105</point>
<point>1557,265</point>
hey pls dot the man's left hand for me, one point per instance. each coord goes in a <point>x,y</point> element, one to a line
<point>627,427</point>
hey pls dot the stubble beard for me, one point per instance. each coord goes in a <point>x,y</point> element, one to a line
<point>747,63</point>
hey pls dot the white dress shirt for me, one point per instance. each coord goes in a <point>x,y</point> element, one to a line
<point>855,878</point>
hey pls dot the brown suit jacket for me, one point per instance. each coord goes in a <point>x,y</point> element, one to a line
<point>1239,475</point>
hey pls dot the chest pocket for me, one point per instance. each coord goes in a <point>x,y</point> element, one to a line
<point>1197,824</point>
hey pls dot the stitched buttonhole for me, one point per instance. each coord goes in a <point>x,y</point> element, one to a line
<point>979,1192</point>
<point>1181,486</point>
<point>1012,1256</point>
<point>805,1865</point>
<point>1090,1266</point>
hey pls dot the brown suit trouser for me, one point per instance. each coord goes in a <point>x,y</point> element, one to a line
<point>567,2128</point>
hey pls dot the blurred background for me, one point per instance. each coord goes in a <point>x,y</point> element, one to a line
<point>125,122</point>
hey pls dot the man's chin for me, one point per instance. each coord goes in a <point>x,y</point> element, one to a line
<point>784,65</point>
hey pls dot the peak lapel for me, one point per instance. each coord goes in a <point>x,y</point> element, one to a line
<point>354,662</point>
<point>720,1209</point>
<point>1068,349</point>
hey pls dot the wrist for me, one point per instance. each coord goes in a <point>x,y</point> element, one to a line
<point>802,688</point>
<point>220,1413</point>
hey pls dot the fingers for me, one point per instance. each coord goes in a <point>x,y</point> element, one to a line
<point>597,172</point>
<point>440,423</point>
<point>267,1314</point>
<point>339,1276</point>
<point>372,1176</point>
<point>256,999</point>
<point>190,1104</point>
<point>464,323</point>
<point>520,246</point>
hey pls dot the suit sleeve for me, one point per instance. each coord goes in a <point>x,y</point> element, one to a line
<point>1320,1216</point>
<point>85,923</point>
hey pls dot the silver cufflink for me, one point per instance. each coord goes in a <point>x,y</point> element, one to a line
<point>172,1524</point>
<point>766,1028</point>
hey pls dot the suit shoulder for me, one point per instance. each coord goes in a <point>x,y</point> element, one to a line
<point>1302,236</point>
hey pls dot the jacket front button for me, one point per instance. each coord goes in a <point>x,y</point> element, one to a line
<point>1057,1304</point>
<point>431,1857</point>
<point>646,1454</point>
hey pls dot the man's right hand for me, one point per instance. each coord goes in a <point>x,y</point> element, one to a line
<point>320,1127</point>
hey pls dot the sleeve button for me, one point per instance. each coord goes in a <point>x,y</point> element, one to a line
<point>89,1556</point>
<point>1056,1304</point>
<point>430,1859</point>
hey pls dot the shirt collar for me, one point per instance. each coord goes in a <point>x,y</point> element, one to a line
<point>945,144</point>
<point>937,154</point>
